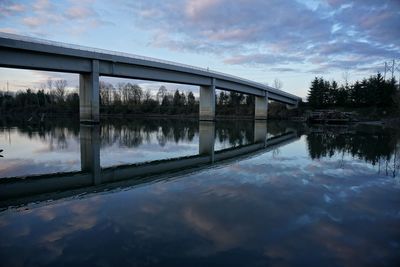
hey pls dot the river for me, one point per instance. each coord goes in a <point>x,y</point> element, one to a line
<point>158,192</point>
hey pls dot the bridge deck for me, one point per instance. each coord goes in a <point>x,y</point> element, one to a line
<point>33,53</point>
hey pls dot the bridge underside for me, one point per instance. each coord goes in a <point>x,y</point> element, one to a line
<point>91,66</point>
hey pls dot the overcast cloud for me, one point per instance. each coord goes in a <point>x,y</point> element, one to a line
<point>332,34</point>
<point>278,36</point>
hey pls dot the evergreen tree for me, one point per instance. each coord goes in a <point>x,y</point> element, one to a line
<point>374,91</point>
<point>191,102</point>
<point>314,93</point>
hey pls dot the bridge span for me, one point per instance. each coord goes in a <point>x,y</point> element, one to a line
<point>23,52</point>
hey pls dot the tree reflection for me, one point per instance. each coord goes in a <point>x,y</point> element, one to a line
<point>236,133</point>
<point>133,133</point>
<point>55,132</point>
<point>374,145</point>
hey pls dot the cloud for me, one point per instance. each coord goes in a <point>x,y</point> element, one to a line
<point>314,36</point>
<point>355,48</point>
<point>8,8</point>
<point>42,15</point>
<point>211,229</point>
<point>262,59</point>
<point>78,12</point>
<point>34,22</point>
<point>195,8</point>
<point>338,32</point>
<point>238,23</point>
<point>42,5</point>
<point>284,70</point>
<point>45,17</point>
<point>9,30</point>
<point>16,8</point>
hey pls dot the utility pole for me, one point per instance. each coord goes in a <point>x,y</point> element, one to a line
<point>393,66</point>
<point>390,67</point>
<point>398,70</point>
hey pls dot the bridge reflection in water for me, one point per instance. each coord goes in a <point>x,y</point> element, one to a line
<point>92,178</point>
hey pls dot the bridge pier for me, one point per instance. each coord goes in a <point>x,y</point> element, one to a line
<point>207,138</point>
<point>89,95</point>
<point>90,150</point>
<point>261,107</point>
<point>260,131</point>
<point>207,102</point>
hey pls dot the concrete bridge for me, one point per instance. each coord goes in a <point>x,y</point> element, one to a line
<point>16,191</point>
<point>36,54</point>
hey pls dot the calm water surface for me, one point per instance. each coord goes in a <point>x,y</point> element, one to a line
<point>233,193</point>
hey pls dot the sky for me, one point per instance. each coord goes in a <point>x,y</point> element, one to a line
<point>262,40</point>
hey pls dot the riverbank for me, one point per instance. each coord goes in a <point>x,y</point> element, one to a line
<point>366,116</point>
<point>41,116</point>
<point>390,123</point>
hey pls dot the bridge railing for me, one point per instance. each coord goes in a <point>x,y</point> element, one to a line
<point>134,56</point>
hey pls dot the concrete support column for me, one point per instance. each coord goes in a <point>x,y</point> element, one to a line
<point>207,102</point>
<point>207,138</point>
<point>261,107</point>
<point>260,131</point>
<point>89,96</point>
<point>90,150</point>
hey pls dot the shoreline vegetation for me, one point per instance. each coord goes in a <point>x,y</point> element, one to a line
<point>127,100</point>
<point>374,100</point>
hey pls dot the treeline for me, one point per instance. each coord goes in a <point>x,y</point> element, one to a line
<point>124,98</point>
<point>233,103</point>
<point>128,98</point>
<point>54,98</point>
<point>372,92</point>
<point>38,102</point>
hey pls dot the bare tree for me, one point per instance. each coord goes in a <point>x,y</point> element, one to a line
<point>49,83</point>
<point>162,92</point>
<point>122,88</point>
<point>42,87</point>
<point>117,97</point>
<point>137,94</point>
<point>128,93</point>
<point>147,95</point>
<point>60,86</point>
<point>106,92</point>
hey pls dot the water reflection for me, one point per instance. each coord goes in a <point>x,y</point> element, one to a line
<point>54,145</point>
<point>57,145</point>
<point>274,200</point>
<point>371,144</point>
<point>14,190</point>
